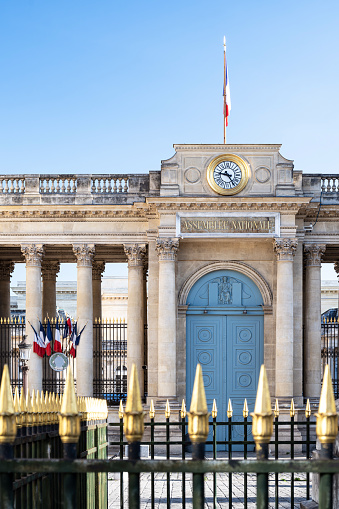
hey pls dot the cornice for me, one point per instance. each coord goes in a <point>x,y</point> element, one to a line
<point>227,148</point>
<point>85,215</point>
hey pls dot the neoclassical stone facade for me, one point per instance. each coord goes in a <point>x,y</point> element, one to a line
<point>225,278</point>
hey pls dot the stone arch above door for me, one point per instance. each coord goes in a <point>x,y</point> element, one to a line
<point>240,267</point>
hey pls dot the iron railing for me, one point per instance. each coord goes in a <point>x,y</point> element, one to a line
<point>330,349</point>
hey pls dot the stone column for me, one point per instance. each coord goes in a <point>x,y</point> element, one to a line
<point>285,249</point>
<point>49,271</point>
<point>312,337</point>
<point>6,269</point>
<point>33,254</point>
<point>84,361</point>
<point>167,318</point>
<point>97,271</point>
<point>135,309</point>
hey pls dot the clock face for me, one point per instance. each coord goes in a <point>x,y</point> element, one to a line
<point>228,174</point>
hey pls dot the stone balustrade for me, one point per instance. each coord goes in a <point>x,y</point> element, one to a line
<point>330,183</point>
<point>110,183</point>
<point>12,184</point>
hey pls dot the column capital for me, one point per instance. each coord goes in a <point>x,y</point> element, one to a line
<point>314,254</point>
<point>97,270</point>
<point>6,269</point>
<point>33,254</point>
<point>167,248</point>
<point>135,254</point>
<point>285,248</point>
<point>49,270</point>
<point>84,254</point>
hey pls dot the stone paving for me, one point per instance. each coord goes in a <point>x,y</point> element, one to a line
<point>222,491</point>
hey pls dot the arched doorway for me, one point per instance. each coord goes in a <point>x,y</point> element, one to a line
<point>224,333</point>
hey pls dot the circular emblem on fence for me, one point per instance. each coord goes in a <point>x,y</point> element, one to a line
<point>204,335</point>
<point>58,361</point>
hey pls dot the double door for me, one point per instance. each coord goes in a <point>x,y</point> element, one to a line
<point>230,351</point>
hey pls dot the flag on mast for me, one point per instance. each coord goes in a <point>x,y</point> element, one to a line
<point>49,338</point>
<point>226,93</point>
<point>38,346</point>
<point>57,338</point>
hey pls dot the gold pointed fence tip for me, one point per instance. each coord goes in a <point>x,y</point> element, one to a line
<point>151,410</point>
<point>69,416</point>
<point>245,409</point>
<point>308,409</point>
<point>198,426</point>
<point>327,417</point>
<point>292,409</point>
<point>183,410</point>
<point>121,410</point>
<point>7,411</point>
<point>276,408</point>
<point>229,409</point>
<point>134,415</point>
<point>214,409</point>
<point>262,423</point>
<point>167,410</point>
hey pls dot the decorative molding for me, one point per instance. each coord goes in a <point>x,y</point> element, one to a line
<point>97,270</point>
<point>135,254</point>
<point>285,248</point>
<point>167,248</point>
<point>49,270</point>
<point>240,267</point>
<point>84,254</point>
<point>33,254</point>
<point>313,254</point>
<point>6,269</point>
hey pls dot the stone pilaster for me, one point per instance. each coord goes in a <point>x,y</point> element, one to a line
<point>6,269</point>
<point>84,254</point>
<point>136,254</point>
<point>312,335</point>
<point>285,249</point>
<point>49,271</point>
<point>33,254</point>
<point>167,249</point>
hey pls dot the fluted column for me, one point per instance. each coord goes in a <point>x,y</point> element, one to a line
<point>167,249</point>
<point>49,271</point>
<point>135,309</point>
<point>84,364</point>
<point>97,271</point>
<point>6,269</point>
<point>312,337</point>
<point>33,254</point>
<point>285,249</point>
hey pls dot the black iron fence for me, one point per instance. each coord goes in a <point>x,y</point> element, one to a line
<point>330,349</point>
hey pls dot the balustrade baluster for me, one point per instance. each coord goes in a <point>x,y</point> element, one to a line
<point>57,188</point>
<point>52,187</point>
<point>93,185</point>
<point>63,185</point>
<point>11,186</point>
<point>109,189</point>
<point>16,187</point>
<point>6,186</point>
<point>328,188</point>
<point>120,185</point>
<point>68,186</point>
<point>104,189</point>
<point>114,185</point>
<point>126,185</point>
<point>74,185</point>
<point>1,186</point>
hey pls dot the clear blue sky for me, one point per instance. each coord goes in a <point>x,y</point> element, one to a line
<point>109,86</point>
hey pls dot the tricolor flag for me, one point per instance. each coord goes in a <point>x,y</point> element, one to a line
<point>67,328</point>
<point>226,90</point>
<point>57,338</point>
<point>73,338</point>
<point>75,344</point>
<point>49,338</point>
<point>42,335</point>
<point>38,345</point>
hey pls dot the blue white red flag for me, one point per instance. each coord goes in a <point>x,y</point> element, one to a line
<point>75,344</point>
<point>42,335</point>
<point>57,347</point>
<point>73,338</point>
<point>38,346</point>
<point>49,338</point>
<point>226,89</point>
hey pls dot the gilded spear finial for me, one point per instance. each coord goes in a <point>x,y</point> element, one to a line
<point>29,408</point>
<point>151,410</point>
<point>17,408</point>
<point>262,424</point>
<point>7,411</point>
<point>121,410</point>
<point>69,416</point>
<point>308,409</point>
<point>134,415</point>
<point>276,408</point>
<point>23,408</point>
<point>292,409</point>
<point>183,409</point>
<point>167,410</point>
<point>198,426</point>
<point>229,409</point>
<point>327,417</point>
<point>214,409</point>
<point>245,409</point>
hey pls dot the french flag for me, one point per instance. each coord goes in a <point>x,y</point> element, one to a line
<point>42,335</point>
<point>57,338</point>
<point>75,344</point>
<point>49,338</point>
<point>38,346</point>
<point>73,340</point>
<point>226,89</point>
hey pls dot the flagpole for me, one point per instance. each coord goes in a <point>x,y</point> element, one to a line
<point>224,90</point>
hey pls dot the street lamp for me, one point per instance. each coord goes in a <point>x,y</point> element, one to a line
<point>25,353</point>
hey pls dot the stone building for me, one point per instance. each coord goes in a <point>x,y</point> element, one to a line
<point>230,240</point>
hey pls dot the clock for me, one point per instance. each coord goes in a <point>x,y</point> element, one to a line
<point>228,174</point>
